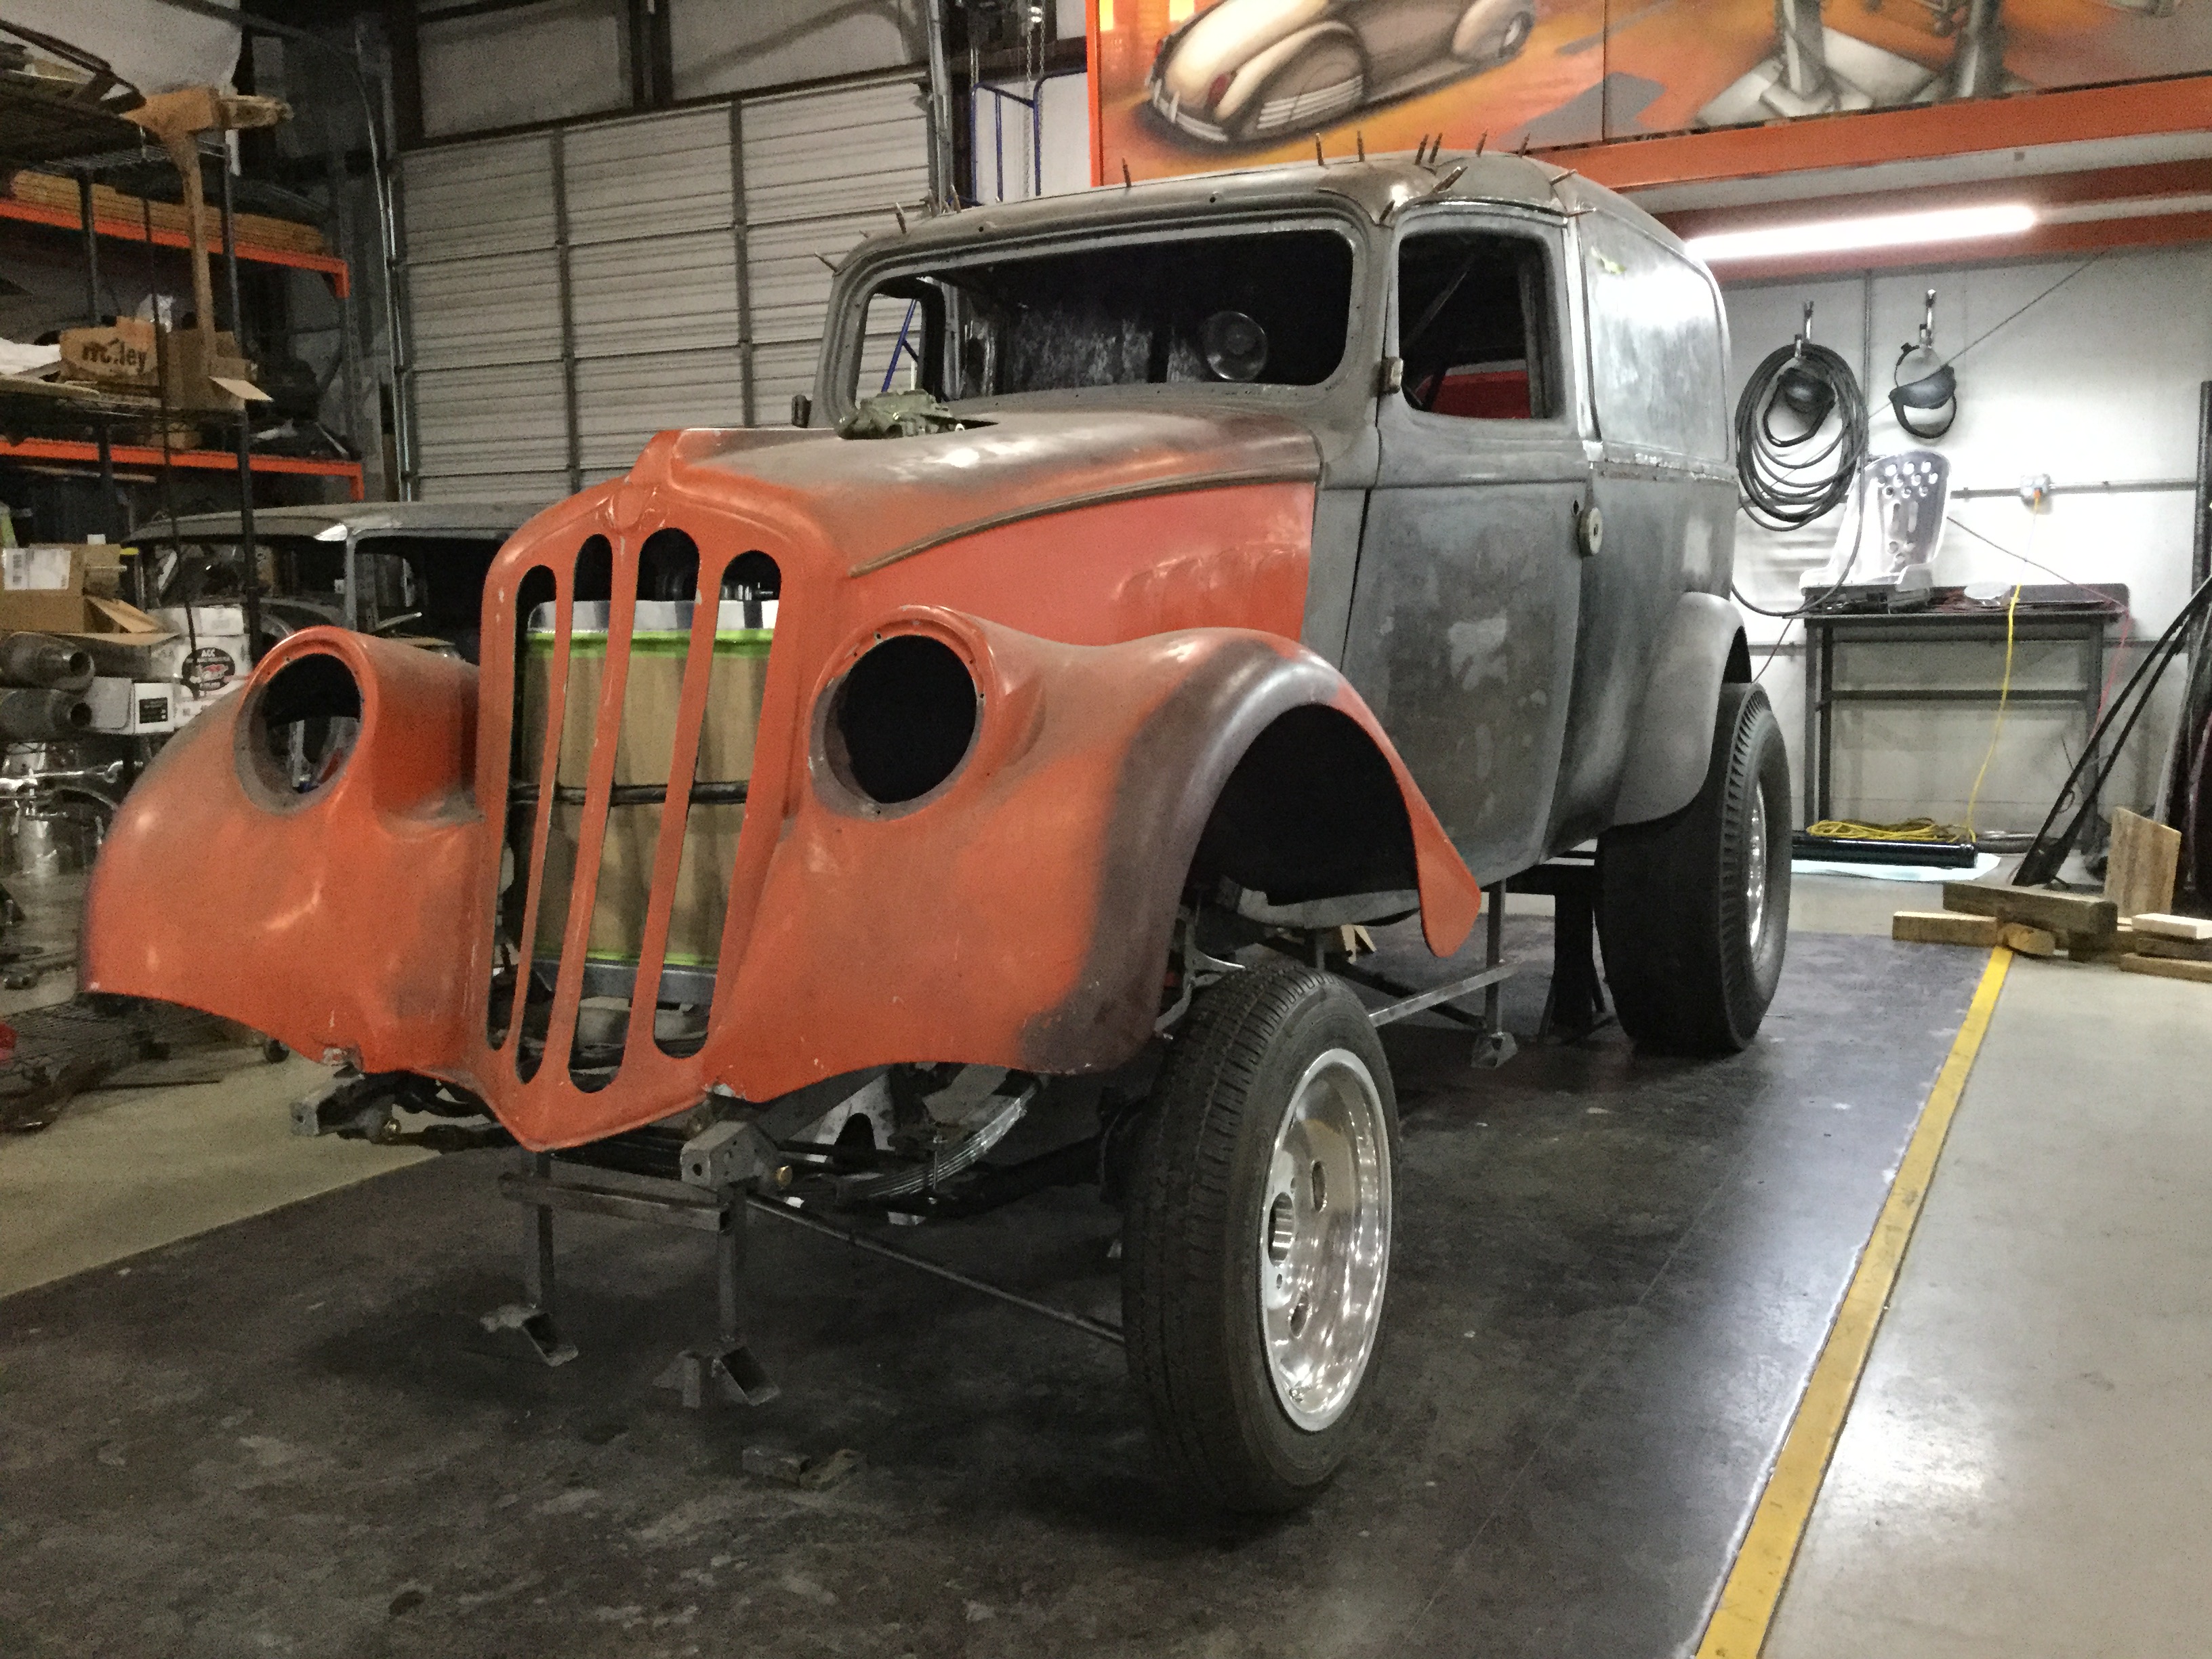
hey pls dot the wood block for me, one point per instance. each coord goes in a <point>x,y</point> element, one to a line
<point>2199,971</point>
<point>2140,874</point>
<point>2172,950</point>
<point>2056,912</point>
<point>2019,938</point>
<point>1943,927</point>
<point>2173,927</point>
<point>2082,948</point>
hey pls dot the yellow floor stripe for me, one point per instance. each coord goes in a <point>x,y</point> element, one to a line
<point>1740,1623</point>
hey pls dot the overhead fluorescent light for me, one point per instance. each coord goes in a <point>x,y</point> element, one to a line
<point>1881,230</point>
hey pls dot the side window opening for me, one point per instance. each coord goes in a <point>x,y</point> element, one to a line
<point>1472,326</point>
<point>900,347</point>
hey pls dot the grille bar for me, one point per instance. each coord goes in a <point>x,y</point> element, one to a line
<point>592,829</point>
<point>549,760</point>
<point>682,767</point>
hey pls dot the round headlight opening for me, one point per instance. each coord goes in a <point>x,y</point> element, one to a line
<point>903,719</point>
<point>302,725</point>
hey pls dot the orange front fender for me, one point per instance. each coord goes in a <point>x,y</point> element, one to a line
<point>1023,917</point>
<point>330,921</point>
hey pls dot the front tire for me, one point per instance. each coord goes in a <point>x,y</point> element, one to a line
<point>1693,909</point>
<point>1257,1244</point>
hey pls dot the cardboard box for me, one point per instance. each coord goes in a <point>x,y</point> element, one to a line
<point>136,708</point>
<point>125,356</point>
<point>121,355</point>
<point>67,588</point>
<point>42,589</point>
<point>201,379</point>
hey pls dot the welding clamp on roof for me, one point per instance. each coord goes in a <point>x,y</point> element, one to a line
<point>1928,403</point>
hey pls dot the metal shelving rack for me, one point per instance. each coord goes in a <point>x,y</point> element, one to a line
<point>81,141</point>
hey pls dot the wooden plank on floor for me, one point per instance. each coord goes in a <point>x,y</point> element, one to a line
<point>2027,941</point>
<point>2162,969</point>
<point>1943,927</point>
<point>2055,913</point>
<point>2171,950</point>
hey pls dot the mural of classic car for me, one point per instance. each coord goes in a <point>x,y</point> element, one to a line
<point>1245,71</point>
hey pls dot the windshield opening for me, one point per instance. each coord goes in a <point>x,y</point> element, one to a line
<point>1263,309</point>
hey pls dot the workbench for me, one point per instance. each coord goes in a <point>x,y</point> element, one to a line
<point>2082,616</point>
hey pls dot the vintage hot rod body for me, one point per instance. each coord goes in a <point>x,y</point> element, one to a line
<point>1289,550</point>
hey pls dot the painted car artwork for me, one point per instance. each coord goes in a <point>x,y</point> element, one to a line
<point>1245,69</point>
<point>1180,86</point>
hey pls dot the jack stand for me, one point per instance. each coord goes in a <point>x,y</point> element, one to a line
<point>1575,1005</point>
<point>621,1177</point>
<point>533,1316</point>
<point>729,1364</point>
<point>1495,1046</point>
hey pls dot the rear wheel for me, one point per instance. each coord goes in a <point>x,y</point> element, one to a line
<point>1258,1238</point>
<point>1693,909</point>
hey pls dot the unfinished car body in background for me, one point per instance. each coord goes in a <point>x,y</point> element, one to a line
<point>1265,555</point>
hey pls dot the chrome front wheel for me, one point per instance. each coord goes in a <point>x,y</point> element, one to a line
<point>1257,1244</point>
<point>1325,1239</point>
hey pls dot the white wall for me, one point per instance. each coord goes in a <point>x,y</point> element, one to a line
<point>506,69</point>
<point>2098,381</point>
<point>735,45</point>
<point>1004,150</point>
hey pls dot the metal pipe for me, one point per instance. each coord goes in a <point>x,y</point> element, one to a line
<point>39,716</point>
<point>1098,1328</point>
<point>2099,487</point>
<point>245,423</point>
<point>161,413</point>
<point>41,659</point>
<point>2200,556</point>
<point>110,508</point>
<point>941,105</point>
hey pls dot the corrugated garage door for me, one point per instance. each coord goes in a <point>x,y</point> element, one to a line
<point>822,170</point>
<point>572,293</point>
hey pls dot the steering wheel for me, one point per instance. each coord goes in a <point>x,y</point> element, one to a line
<point>391,623</point>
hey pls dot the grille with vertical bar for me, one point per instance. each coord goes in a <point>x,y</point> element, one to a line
<point>623,696</point>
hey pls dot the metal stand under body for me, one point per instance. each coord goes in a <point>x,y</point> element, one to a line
<point>1494,1044</point>
<point>727,1365</point>
<point>1575,1005</point>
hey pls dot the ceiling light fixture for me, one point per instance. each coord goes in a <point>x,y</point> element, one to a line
<point>1883,230</point>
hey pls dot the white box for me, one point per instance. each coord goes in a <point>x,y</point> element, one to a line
<point>133,707</point>
<point>208,654</point>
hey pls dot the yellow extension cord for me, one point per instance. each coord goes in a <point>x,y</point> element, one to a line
<point>2004,694</point>
<point>1922,829</point>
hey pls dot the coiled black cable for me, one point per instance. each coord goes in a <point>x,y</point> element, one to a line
<point>1792,476</point>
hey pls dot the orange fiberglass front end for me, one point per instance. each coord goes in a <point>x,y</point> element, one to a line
<point>1125,592</point>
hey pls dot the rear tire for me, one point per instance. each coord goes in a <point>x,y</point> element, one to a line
<point>1693,909</point>
<point>1258,1238</point>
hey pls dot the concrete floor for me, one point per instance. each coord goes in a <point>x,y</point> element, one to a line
<point>2027,1467</point>
<point>286,1435</point>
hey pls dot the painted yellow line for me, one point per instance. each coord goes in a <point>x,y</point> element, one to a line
<point>1739,1624</point>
